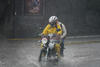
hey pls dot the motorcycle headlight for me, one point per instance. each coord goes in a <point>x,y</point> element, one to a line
<point>51,45</point>
<point>44,40</point>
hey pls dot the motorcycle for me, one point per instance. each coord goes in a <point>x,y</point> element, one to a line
<point>48,51</point>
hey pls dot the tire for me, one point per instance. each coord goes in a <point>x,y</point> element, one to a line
<point>42,54</point>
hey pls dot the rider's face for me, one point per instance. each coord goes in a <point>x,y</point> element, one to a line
<point>53,24</point>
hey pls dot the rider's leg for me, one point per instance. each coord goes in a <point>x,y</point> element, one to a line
<point>41,45</point>
<point>62,47</point>
<point>57,46</point>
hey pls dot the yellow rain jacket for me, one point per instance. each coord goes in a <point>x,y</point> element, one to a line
<point>52,30</point>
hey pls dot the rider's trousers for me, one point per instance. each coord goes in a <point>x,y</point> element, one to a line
<point>57,47</point>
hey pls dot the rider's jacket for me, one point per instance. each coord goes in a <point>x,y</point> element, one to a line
<point>64,30</point>
<point>52,30</point>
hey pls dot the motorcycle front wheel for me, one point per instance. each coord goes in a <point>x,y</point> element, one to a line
<point>42,55</point>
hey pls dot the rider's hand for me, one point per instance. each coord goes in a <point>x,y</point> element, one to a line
<point>61,37</point>
<point>40,34</point>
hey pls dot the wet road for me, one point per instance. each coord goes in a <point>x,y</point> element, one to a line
<point>25,53</point>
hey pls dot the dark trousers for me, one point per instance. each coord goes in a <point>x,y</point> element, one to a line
<point>62,46</point>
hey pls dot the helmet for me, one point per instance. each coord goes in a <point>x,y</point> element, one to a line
<point>53,19</point>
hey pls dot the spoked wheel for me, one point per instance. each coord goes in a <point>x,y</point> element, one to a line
<point>42,55</point>
<point>42,59</point>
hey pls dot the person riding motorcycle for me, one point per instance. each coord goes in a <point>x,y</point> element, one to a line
<point>64,33</point>
<point>53,28</point>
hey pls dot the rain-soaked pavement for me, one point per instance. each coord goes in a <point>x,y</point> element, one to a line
<point>24,53</point>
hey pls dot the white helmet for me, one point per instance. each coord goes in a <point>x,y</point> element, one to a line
<point>53,19</point>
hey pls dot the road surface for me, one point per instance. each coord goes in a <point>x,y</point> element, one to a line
<point>24,53</point>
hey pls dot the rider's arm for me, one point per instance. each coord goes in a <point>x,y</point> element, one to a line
<point>64,31</point>
<point>45,31</point>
